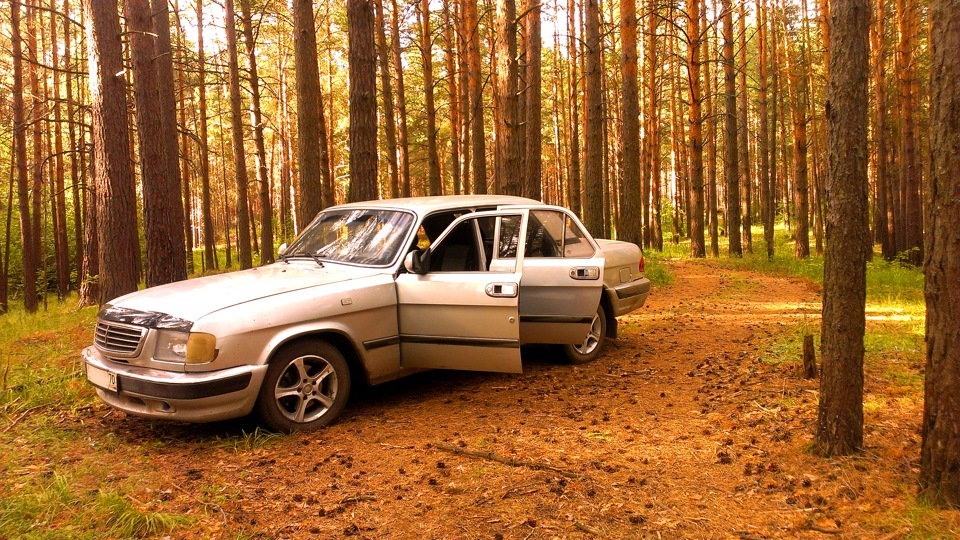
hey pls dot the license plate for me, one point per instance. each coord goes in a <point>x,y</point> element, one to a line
<point>102,378</point>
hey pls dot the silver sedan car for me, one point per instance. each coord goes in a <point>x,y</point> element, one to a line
<point>367,293</point>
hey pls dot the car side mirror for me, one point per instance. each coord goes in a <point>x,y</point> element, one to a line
<point>415,262</point>
<point>282,249</point>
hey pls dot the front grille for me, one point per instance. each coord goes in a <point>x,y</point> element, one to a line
<point>119,339</point>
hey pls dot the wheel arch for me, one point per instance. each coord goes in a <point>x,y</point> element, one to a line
<point>342,342</point>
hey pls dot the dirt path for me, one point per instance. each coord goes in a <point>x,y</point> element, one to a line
<point>679,430</point>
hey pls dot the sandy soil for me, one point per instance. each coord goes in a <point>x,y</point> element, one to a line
<point>679,430</point>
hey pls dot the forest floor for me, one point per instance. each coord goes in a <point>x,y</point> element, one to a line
<point>693,424</point>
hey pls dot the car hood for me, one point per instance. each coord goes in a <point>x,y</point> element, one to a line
<point>192,299</point>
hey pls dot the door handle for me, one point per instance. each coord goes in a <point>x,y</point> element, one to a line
<point>502,290</point>
<point>585,272</point>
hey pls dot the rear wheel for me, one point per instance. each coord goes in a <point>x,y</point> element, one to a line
<point>589,348</point>
<point>306,387</point>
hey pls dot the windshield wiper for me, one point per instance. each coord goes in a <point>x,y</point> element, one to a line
<point>285,258</point>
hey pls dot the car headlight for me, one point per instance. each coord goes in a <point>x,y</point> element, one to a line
<point>171,346</point>
<point>201,348</point>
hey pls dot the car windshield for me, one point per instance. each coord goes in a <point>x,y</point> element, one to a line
<point>355,236</point>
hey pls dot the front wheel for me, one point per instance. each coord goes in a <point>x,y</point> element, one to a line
<point>305,388</point>
<point>589,348</point>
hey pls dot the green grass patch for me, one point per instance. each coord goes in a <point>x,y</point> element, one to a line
<point>55,505</point>
<point>921,521</point>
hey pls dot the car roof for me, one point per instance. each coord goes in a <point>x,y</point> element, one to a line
<point>427,205</point>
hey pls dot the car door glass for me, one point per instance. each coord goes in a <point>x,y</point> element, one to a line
<point>575,243</point>
<point>544,234</point>
<point>484,243</point>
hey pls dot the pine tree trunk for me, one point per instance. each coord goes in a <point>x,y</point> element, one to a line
<point>363,101</point>
<point>38,110</point>
<point>766,193</point>
<point>309,110</point>
<point>881,130</point>
<point>172,196</point>
<point>533,159</point>
<point>746,181</point>
<point>840,414</point>
<point>628,228</point>
<point>402,139</point>
<point>426,52</point>
<point>77,184</point>
<point>798,112</point>
<point>574,187</point>
<point>593,177</point>
<point>694,60</point>
<point>507,150</point>
<point>475,84</point>
<point>263,180</point>
<point>730,155</point>
<point>940,453</point>
<point>453,95</point>
<point>390,122</point>
<point>20,157</point>
<point>710,139</point>
<point>209,234</point>
<point>910,175</point>
<point>59,198</point>
<point>116,203</point>
<point>161,195</point>
<point>236,130</point>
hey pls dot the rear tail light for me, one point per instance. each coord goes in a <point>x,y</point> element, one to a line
<point>641,263</point>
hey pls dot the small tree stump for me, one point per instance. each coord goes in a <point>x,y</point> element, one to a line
<point>809,370</point>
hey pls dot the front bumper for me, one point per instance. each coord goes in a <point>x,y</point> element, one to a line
<point>187,397</point>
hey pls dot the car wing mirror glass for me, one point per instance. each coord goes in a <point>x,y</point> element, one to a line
<point>282,249</point>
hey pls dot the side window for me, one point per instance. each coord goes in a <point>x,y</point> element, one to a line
<point>554,234</point>
<point>575,243</point>
<point>545,234</point>
<point>458,251</point>
<point>509,237</point>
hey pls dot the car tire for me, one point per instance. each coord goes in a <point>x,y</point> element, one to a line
<point>589,348</point>
<point>305,388</point>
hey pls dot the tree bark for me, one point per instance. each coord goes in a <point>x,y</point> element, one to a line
<point>453,95</point>
<point>59,198</point>
<point>172,203</point>
<point>256,116</point>
<point>309,109</point>
<point>426,52</point>
<point>730,170</point>
<point>116,196</point>
<point>881,130</point>
<point>162,219</point>
<point>694,49</point>
<point>840,414</point>
<point>940,453</point>
<point>766,191</point>
<point>909,155</point>
<point>390,122</point>
<point>236,130</point>
<point>206,204</point>
<point>363,101</point>
<point>746,181</point>
<point>533,156</point>
<point>594,127</point>
<point>574,188</point>
<point>20,156</point>
<point>628,228</point>
<point>507,159</point>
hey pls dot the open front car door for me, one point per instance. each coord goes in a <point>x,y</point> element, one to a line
<point>459,301</point>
